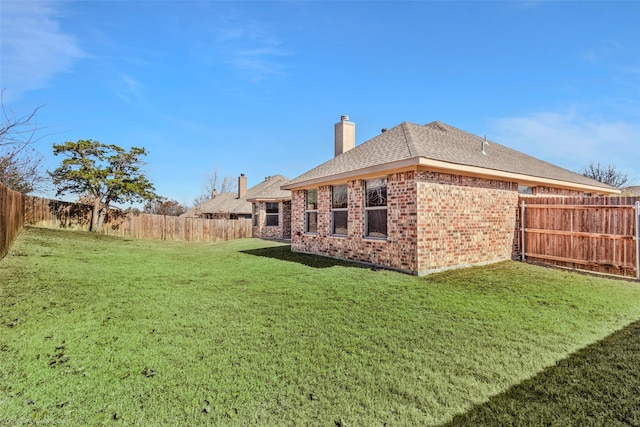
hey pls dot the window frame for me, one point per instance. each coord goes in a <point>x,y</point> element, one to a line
<point>268,215</point>
<point>375,207</point>
<point>308,212</point>
<point>526,190</point>
<point>335,210</point>
<point>256,214</point>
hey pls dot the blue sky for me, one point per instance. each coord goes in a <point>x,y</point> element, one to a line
<point>256,87</point>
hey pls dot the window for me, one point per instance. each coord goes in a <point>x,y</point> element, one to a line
<point>339,211</point>
<point>376,208</point>
<point>524,189</point>
<point>311,211</point>
<point>272,211</point>
<point>256,214</point>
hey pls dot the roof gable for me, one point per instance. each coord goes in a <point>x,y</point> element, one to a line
<point>269,189</point>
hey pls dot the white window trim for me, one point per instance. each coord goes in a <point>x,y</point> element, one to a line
<point>268,215</point>
<point>339,210</point>
<point>306,221</point>
<point>374,208</point>
<point>307,211</point>
<point>333,233</point>
<point>366,223</point>
<point>256,214</point>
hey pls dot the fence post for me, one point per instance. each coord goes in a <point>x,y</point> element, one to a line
<point>638,240</point>
<point>522,209</point>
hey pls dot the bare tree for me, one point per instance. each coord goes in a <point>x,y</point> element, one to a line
<point>163,206</point>
<point>213,184</point>
<point>608,175</point>
<point>20,164</point>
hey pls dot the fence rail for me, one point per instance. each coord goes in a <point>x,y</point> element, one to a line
<point>594,234</point>
<point>57,214</point>
<point>11,217</point>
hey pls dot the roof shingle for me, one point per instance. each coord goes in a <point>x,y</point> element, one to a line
<point>441,142</point>
<point>230,203</point>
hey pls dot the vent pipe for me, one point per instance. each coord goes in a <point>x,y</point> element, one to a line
<point>484,145</point>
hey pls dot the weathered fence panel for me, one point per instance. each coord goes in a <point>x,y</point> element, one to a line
<point>11,217</point>
<point>591,233</point>
<point>57,214</point>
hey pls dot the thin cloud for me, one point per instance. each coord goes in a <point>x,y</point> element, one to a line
<point>252,49</point>
<point>130,90</point>
<point>572,140</point>
<point>34,48</point>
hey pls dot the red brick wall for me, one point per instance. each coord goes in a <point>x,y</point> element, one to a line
<point>435,221</point>
<point>397,252</point>
<point>464,221</point>
<point>282,231</point>
<point>551,191</point>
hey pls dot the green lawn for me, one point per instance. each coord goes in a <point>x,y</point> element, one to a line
<point>96,330</point>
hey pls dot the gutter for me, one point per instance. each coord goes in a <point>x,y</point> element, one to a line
<point>457,169</point>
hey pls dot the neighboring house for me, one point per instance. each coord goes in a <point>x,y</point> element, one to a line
<point>420,198</point>
<point>631,191</point>
<point>234,205</point>
<point>272,209</point>
<point>224,205</point>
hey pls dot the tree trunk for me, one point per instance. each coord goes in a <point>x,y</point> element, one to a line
<point>97,216</point>
<point>94,215</point>
<point>101,216</point>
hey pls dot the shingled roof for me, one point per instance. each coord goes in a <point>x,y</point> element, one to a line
<point>631,191</point>
<point>445,148</point>
<point>270,190</point>
<point>230,203</point>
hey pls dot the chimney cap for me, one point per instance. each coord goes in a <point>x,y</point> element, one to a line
<point>344,118</point>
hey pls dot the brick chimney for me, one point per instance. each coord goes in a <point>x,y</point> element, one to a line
<point>214,193</point>
<point>242,186</point>
<point>345,135</point>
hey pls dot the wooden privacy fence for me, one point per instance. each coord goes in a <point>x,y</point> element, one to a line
<point>57,214</point>
<point>11,217</point>
<point>594,234</point>
<point>162,227</point>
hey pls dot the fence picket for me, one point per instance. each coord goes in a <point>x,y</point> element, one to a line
<point>57,214</point>
<point>11,217</point>
<point>596,234</point>
<point>637,245</point>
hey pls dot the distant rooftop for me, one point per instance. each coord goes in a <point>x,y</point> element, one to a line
<point>230,203</point>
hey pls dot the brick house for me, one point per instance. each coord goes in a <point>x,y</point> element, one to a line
<point>225,205</point>
<point>271,206</point>
<point>420,198</point>
<point>265,204</point>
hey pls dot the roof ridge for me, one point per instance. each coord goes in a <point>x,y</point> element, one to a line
<point>407,136</point>
<point>440,125</point>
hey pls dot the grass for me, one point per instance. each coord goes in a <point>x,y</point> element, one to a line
<point>598,385</point>
<point>96,330</point>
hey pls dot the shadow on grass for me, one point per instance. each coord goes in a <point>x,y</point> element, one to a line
<point>597,386</point>
<point>284,253</point>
